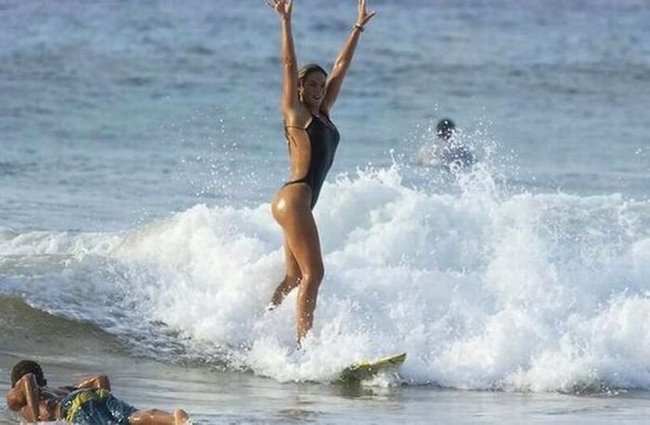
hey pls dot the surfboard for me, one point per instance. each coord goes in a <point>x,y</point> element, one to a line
<point>366,369</point>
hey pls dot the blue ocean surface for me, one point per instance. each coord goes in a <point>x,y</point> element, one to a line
<point>141,143</point>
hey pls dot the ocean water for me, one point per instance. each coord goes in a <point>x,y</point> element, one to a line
<point>141,144</point>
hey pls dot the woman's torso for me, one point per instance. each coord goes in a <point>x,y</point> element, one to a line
<point>311,152</point>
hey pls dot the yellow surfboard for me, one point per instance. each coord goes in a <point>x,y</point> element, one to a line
<point>365,369</point>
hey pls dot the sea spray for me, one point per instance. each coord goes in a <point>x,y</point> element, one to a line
<point>485,288</point>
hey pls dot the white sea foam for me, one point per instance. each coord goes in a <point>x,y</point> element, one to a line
<point>482,288</point>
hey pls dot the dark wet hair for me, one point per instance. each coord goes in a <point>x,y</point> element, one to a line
<point>445,128</point>
<point>24,367</point>
<point>310,68</point>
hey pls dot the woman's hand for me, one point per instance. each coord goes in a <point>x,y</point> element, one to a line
<point>283,7</point>
<point>364,16</point>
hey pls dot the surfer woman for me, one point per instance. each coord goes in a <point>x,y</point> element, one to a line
<point>308,96</point>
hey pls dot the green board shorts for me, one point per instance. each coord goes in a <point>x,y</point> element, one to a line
<point>95,406</point>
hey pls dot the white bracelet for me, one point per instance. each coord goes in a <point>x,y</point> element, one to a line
<point>358,27</point>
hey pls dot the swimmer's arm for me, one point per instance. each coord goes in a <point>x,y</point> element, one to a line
<point>98,381</point>
<point>24,397</point>
<point>342,62</point>
<point>424,157</point>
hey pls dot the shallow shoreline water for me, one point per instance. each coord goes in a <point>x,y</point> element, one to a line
<point>217,397</point>
<point>221,396</point>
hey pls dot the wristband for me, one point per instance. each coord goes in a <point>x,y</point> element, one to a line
<point>358,27</point>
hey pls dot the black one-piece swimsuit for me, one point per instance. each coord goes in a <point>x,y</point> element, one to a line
<point>323,138</point>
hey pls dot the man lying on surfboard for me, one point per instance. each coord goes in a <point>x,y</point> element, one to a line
<point>89,401</point>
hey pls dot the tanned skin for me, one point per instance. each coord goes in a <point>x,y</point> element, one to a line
<point>41,403</point>
<point>291,206</point>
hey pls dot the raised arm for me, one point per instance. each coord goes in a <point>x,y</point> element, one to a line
<point>290,99</point>
<point>24,397</point>
<point>344,58</point>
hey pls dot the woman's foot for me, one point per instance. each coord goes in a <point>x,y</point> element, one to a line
<point>271,306</point>
<point>283,289</point>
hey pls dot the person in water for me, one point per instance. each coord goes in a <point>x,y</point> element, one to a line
<point>89,401</point>
<point>308,96</point>
<point>447,151</point>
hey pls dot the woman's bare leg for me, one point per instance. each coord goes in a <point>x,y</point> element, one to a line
<point>292,210</point>
<point>159,417</point>
<point>291,279</point>
<point>305,243</point>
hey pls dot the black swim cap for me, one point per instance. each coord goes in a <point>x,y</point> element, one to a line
<point>445,128</point>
